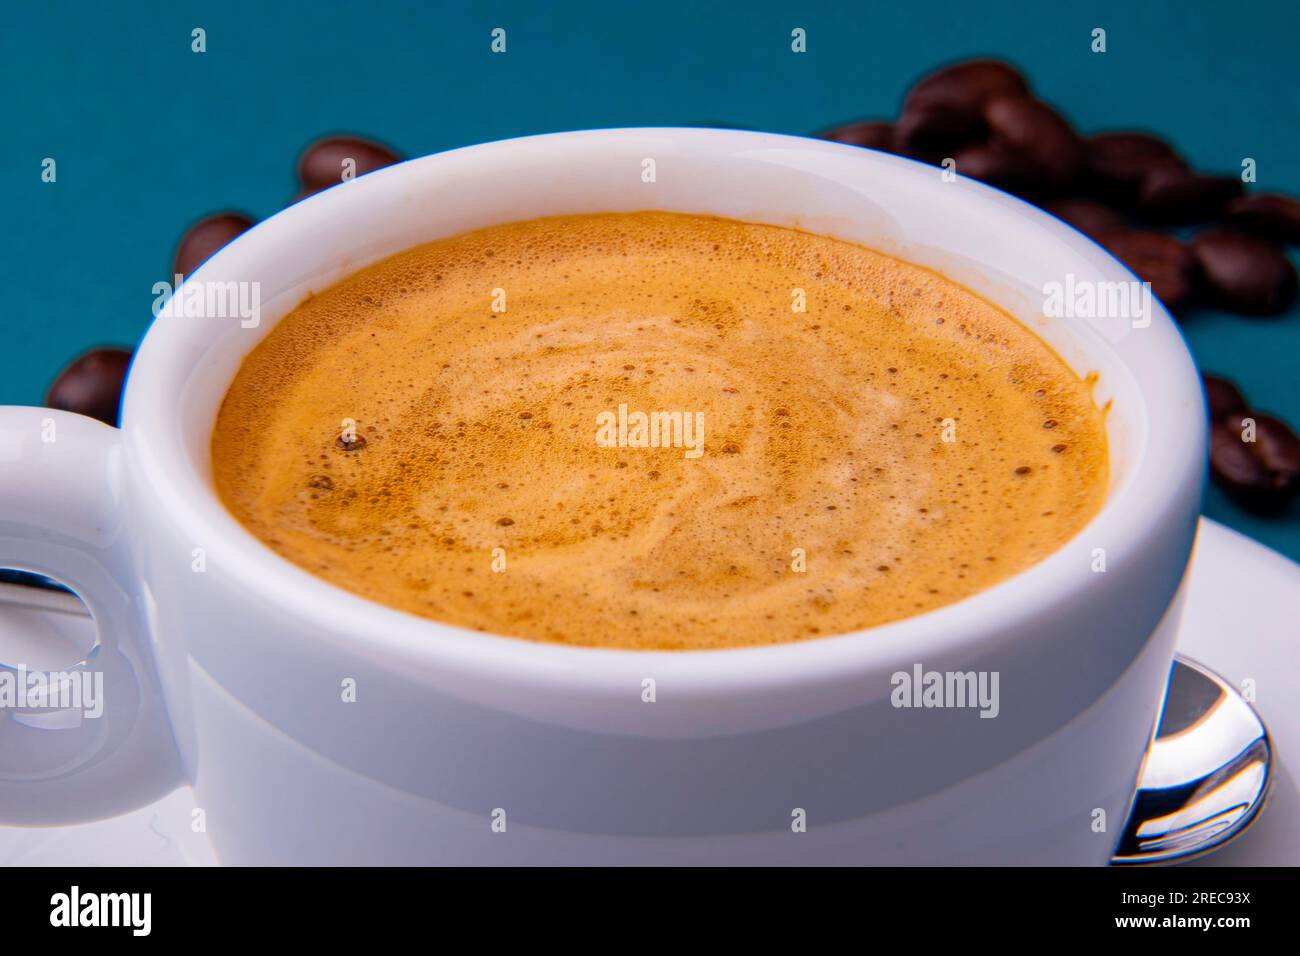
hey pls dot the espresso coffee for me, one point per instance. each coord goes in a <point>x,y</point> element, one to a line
<point>657,431</point>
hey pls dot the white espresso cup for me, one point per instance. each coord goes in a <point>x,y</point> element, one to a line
<point>318,727</point>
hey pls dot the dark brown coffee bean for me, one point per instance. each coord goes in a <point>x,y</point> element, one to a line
<point>1119,162</point>
<point>1245,273</point>
<point>872,134</point>
<point>92,384</point>
<point>1088,216</point>
<point>1276,445</point>
<point>1222,397</point>
<point>1038,133</point>
<point>1161,260</point>
<point>1231,461</point>
<point>966,86</point>
<point>999,166</point>
<point>1262,475</point>
<point>327,161</point>
<point>205,237</point>
<point>932,131</point>
<point>1179,197</point>
<point>1270,215</point>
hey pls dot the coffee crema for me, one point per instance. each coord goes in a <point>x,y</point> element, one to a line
<point>896,445</point>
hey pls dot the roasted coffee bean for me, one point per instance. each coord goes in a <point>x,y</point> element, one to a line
<point>329,161</point>
<point>932,131</point>
<point>1088,216</point>
<point>997,165</point>
<point>1262,475</point>
<point>1276,445</point>
<point>1222,397</point>
<point>1038,133</point>
<point>92,384</point>
<point>1269,215</point>
<point>1161,260</point>
<point>1179,197</point>
<point>205,237</point>
<point>1119,162</point>
<point>1231,460</point>
<point>873,134</point>
<point>1245,273</point>
<point>966,86</point>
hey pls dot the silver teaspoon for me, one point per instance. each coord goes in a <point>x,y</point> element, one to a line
<point>1206,774</point>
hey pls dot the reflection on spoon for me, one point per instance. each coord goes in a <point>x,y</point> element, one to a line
<point>1206,775</point>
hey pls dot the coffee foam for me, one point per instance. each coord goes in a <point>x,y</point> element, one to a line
<point>823,432</point>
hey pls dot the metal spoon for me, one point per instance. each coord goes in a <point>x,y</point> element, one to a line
<point>1206,774</point>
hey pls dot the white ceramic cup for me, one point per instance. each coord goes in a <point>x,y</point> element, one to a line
<point>226,666</point>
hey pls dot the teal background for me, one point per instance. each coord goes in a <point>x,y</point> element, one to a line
<point>149,136</point>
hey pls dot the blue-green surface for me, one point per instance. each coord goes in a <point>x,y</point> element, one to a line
<point>149,136</point>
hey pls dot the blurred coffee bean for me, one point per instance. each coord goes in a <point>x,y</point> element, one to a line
<point>1161,260</point>
<point>873,134</point>
<point>1245,273</point>
<point>324,162</point>
<point>1262,475</point>
<point>1088,216</point>
<point>92,384</point>
<point>1231,461</point>
<point>932,132</point>
<point>869,133</point>
<point>997,165</point>
<point>1222,397</point>
<point>1119,162</point>
<point>205,237</point>
<point>966,86</point>
<point>1270,215</point>
<point>1178,197</point>
<point>1276,445</point>
<point>1038,133</point>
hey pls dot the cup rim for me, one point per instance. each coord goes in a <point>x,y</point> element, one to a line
<point>1131,511</point>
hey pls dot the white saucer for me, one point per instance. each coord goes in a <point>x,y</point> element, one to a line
<point>1242,620</point>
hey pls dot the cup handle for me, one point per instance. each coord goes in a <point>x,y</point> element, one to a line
<point>92,739</point>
